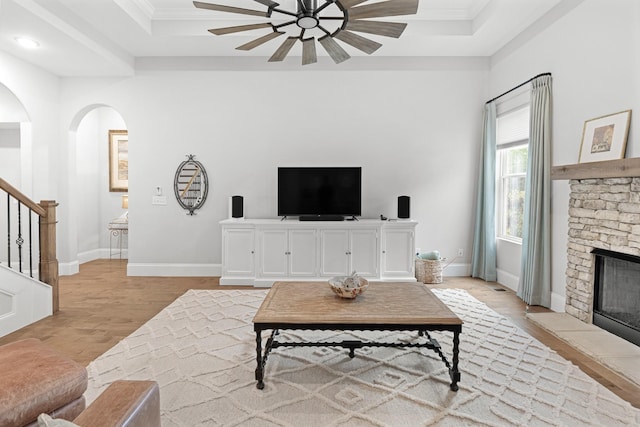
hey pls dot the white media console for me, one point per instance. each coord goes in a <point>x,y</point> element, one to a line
<point>260,252</point>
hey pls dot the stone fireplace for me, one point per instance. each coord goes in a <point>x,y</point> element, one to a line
<point>604,213</point>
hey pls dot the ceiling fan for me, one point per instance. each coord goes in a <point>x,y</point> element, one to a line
<point>333,19</point>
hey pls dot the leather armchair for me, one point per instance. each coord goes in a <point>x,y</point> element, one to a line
<point>36,379</point>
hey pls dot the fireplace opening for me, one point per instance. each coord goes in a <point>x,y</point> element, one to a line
<point>616,301</point>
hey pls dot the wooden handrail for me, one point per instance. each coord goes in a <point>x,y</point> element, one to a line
<point>48,265</point>
<point>4,185</point>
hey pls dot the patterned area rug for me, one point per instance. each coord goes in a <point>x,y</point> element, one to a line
<point>201,350</point>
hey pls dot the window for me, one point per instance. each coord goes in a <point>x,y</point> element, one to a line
<point>512,137</point>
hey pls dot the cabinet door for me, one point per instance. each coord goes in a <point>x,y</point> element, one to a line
<point>334,252</point>
<point>273,253</point>
<point>302,253</point>
<point>364,252</point>
<point>238,252</point>
<point>398,253</point>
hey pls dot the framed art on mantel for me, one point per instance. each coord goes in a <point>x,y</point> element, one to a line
<point>605,138</point>
<point>118,160</point>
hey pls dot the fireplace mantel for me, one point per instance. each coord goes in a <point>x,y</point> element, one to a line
<point>622,168</point>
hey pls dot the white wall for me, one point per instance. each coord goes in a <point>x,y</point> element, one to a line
<point>10,154</point>
<point>592,53</point>
<point>37,91</point>
<point>413,132</point>
<point>29,95</point>
<point>14,169</point>
<point>88,183</point>
<point>508,262</point>
<point>11,110</point>
<point>10,172</point>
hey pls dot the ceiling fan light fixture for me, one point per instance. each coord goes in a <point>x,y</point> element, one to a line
<point>307,22</point>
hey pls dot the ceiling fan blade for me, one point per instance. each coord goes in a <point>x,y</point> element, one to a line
<point>335,51</point>
<point>260,40</point>
<point>268,3</point>
<point>326,4</point>
<point>231,9</point>
<point>309,51</point>
<point>384,8</point>
<point>387,29</point>
<point>239,28</point>
<point>283,50</point>
<point>350,3</point>
<point>364,44</point>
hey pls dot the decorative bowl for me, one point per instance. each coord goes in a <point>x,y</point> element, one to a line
<point>343,286</point>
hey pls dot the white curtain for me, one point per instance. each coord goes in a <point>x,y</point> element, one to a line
<point>483,259</point>
<point>535,275</point>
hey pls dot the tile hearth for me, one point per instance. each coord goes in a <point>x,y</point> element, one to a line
<point>612,351</point>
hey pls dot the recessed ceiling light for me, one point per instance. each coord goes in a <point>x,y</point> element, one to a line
<point>27,43</point>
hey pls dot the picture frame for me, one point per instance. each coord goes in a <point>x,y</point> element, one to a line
<point>605,138</point>
<point>118,161</point>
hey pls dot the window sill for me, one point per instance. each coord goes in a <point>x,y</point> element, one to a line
<point>510,240</point>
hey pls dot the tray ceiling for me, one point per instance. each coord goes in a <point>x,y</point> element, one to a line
<point>108,37</point>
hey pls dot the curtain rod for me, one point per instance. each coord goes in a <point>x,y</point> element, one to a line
<point>517,87</point>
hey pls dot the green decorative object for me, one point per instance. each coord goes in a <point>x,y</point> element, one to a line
<point>433,255</point>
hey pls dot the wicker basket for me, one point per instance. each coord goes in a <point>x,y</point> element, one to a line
<point>429,271</point>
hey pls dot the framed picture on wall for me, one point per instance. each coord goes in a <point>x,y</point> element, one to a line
<point>118,160</point>
<point>605,138</point>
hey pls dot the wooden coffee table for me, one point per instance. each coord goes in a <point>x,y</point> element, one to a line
<point>385,306</point>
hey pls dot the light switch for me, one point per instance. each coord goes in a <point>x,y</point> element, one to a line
<point>159,200</point>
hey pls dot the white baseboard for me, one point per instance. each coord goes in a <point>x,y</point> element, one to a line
<point>92,255</point>
<point>174,270</point>
<point>73,267</point>
<point>460,270</point>
<point>558,302</point>
<point>238,281</point>
<point>68,268</point>
<point>509,280</point>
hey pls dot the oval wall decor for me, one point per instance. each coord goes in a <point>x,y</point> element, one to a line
<point>191,184</point>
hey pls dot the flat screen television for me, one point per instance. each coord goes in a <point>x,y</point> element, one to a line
<point>319,191</point>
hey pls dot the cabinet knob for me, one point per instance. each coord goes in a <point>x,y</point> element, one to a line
<point>252,252</point>
<point>384,252</point>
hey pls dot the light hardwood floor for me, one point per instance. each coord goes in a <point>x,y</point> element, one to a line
<point>101,305</point>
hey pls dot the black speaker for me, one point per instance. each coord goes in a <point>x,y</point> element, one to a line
<point>237,208</point>
<point>403,207</point>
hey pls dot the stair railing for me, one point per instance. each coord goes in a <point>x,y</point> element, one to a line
<point>46,212</point>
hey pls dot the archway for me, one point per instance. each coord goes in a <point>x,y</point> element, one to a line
<point>15,140</point>
<point>15,152</point>
<point>92,204</point>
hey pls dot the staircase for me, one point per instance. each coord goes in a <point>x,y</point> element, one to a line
<point>23,298</point>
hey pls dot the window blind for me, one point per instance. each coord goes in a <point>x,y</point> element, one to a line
<point>512,128</point>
